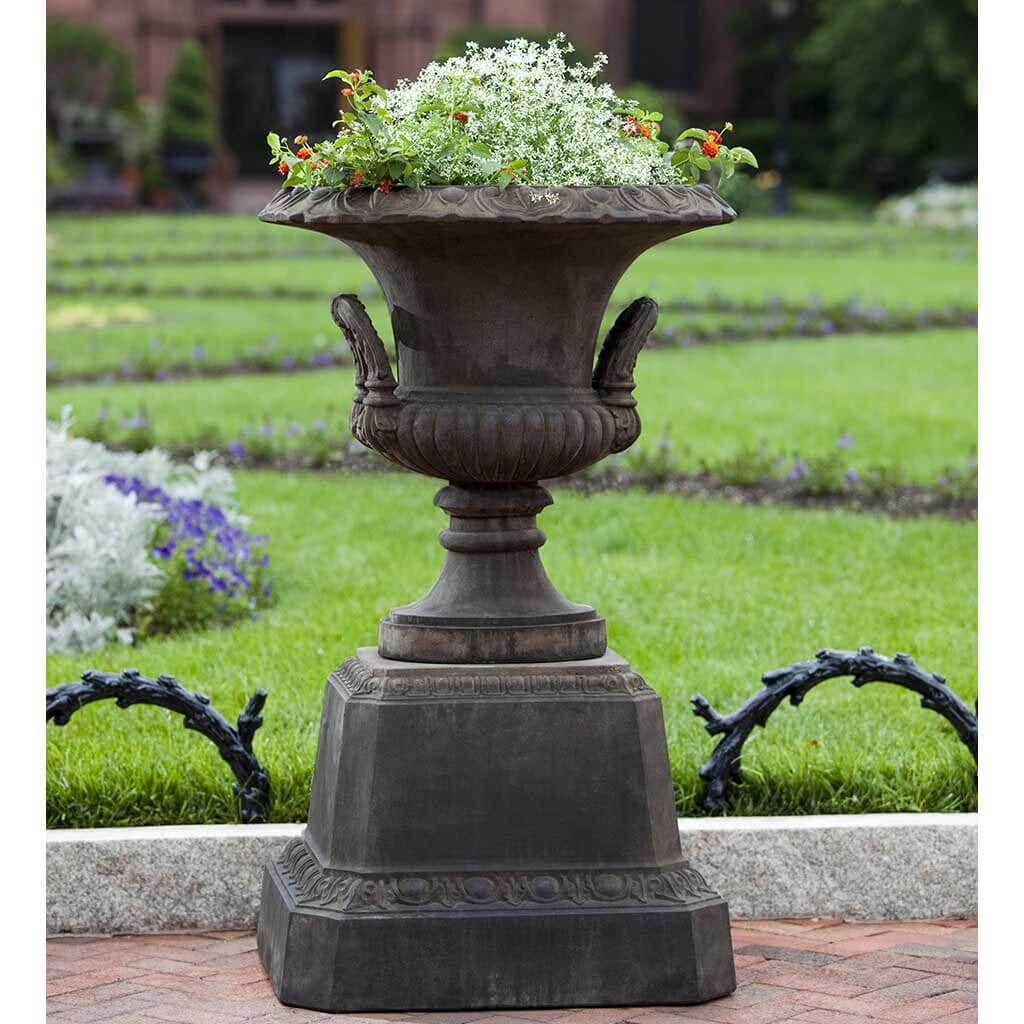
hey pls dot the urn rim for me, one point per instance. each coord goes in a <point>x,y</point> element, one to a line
<point>687,206</point>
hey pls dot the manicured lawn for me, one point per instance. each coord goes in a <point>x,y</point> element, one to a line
<point>682,268</point>
<point>171,236</point>
<point>908,399</point>
<point>701,596</point>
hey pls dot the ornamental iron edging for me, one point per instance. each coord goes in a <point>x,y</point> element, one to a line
<point>794,681</point>
<point>234,745</point>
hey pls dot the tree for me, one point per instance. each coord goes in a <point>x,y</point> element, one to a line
<point>188,111</point>
<point>90,89</point>
<point>900,78</point>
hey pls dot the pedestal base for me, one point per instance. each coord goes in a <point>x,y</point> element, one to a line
<point>485,836</point>
<point>334,959</point>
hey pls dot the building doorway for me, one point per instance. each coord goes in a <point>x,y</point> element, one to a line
<point>271,81</point>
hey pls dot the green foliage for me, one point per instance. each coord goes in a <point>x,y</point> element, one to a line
<point>185,605</point>
<point>901,88</point>
<point>90,91</point>
<point>59,165</point>
<point>881,93</point>
<point>747,466</point>
<point>641,94</point>
<point>188,111</point>
<point>87,69</point>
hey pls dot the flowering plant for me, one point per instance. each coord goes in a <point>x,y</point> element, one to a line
<point>137,544</point>
<point>519,113</point>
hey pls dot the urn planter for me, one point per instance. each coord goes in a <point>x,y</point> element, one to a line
<point>492,820</point>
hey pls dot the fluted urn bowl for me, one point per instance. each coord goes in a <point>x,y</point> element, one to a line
<point>496,301</point>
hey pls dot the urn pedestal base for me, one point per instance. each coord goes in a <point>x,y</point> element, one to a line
<point>485,836</point>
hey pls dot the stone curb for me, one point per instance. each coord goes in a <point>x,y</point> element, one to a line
<point>868,867</point>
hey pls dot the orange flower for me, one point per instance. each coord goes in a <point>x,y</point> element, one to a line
<point>355,76</point>
<point>356,180</point>
<point>460,116</point>
<point>710,148</point>
<point>346,91</point>
<point>631,126</point>
<point>384,185</point>
<point>300,139</point>
<point>304,153</point>
<point>282,167</point>
<point>714,136</point>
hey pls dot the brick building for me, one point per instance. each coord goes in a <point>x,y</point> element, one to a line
<point>268,56</point>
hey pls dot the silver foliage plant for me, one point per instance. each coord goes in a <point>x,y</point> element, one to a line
<point>98,540</point>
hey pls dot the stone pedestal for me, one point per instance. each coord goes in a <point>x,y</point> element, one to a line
<point>491,836</point>
<point>492,820</point>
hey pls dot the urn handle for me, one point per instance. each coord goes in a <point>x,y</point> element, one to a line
<point>613,374</point>
<point>375,383</point>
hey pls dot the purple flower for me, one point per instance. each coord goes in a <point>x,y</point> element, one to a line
<point>161,375</point>
<point>972,319</point>
<point>293,429</point>
<point>236,449</point>
<point>664,443</point>
<point>136,422</point>
<point>166,551</point>
<point>845,440</point>
<point>800,469</point>
<point>103,412</point>
<point>828,327</point>
<point>267,429</point>
<point>198,354</point>
<point>852,476</point>
<point>218,553</point>
<point>287,362</point>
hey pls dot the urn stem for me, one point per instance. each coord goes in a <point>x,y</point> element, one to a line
<point>493,601</point>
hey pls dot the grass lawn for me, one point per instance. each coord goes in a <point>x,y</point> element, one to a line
<point>699,595</point>
<point>702,596</point>
<point>909,399</point>
<point>680,269</point>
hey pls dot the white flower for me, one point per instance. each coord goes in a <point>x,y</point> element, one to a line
<point>98,540</point>
<point>525,102</point>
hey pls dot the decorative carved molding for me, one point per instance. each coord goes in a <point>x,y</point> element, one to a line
<point>354,679</point>
<point>234,745</point>
<point>471,438</point>
<point>795,681</point>
<point>696,205</point>
<point>311,885</point>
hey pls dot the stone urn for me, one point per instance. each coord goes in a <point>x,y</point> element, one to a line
<point>492,821</point>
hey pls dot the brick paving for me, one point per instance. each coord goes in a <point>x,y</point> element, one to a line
<point>814,972</point>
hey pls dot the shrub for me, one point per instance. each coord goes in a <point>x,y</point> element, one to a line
<point>137,544</point>
<point>939,205</point>
<point>188,115</point>
<point>90,90</point>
